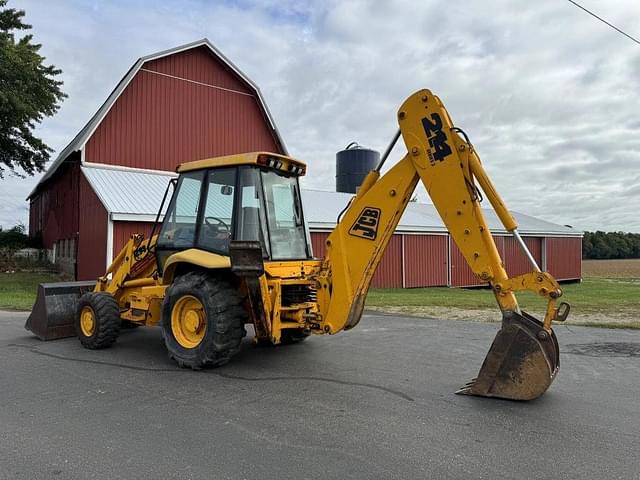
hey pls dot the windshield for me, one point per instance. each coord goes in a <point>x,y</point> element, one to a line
<point>284,213</point>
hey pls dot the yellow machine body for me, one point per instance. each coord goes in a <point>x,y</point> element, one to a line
<point>326,296</point>
<point>140,297</point>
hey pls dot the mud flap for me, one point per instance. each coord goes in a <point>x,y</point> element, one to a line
<point>54,312</point>
<point>521,364</point>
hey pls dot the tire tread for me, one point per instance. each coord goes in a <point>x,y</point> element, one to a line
<point>227,317</point>
<point>108,323</point>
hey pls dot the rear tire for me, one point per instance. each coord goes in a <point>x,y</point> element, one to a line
<point>203,320</point>
<point>97,320</point>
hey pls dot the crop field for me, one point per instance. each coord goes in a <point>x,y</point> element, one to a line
<point>629,268</point>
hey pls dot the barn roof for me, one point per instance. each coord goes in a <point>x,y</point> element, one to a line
<point>128,193</point>
<point>85,133</point>
<point>135,195</point>
<point>322,208</point>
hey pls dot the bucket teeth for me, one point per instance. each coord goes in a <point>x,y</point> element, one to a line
<point>468,388</point>
<point>465,389</point>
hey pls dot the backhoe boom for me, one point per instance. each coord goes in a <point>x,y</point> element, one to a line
<point>448,166</point>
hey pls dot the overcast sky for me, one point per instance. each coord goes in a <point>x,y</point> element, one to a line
<point>547,94</point>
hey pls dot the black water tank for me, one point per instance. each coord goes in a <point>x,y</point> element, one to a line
<point>352,165</point>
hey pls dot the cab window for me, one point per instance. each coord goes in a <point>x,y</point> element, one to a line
<point>179,228</point>
<point>251,223</point>
<point>215,228</point>
<point>284,213</point>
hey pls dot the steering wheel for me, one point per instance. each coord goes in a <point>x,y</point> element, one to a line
<point>209,222</point>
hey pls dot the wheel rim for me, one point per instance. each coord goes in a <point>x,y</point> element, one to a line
<point>188,321</point>
<point>87,321</point>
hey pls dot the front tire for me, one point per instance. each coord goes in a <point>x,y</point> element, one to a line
<point>203,320</point>
<point>97,320</point>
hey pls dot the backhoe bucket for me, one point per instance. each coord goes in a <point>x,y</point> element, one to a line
<point>521,364</point>
<point>53,313</point>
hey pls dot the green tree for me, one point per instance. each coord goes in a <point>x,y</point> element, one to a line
<point>604,245</point>
<point>587,245</point>
<point>14,238</point>
<point>28,93</point>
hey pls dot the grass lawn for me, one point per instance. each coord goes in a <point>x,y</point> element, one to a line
<point>606,297</point>
<point>592,295</point>
<point>597,301</point>
<point>18,290</point>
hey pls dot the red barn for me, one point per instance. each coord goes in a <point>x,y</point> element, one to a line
<point>191,102</point>
<point>422,254</point>
<point>182,104</point>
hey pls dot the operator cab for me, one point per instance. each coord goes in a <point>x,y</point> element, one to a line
<point>253,197</point>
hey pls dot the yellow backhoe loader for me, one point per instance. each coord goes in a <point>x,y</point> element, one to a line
<point>233,249</point>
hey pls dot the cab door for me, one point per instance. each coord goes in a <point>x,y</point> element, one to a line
<point>200,214</point>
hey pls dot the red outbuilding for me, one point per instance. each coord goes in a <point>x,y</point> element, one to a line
<point>174,106</point>
<point>422,254</point>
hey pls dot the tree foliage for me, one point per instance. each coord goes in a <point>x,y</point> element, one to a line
<point>605,245</point>
<point>28,93</point>
<point>16,238</point>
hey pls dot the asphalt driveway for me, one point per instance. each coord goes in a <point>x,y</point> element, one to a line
<point>373,403</point>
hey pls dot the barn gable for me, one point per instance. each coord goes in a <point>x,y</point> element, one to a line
<point>178,108</point>
<point>171,114</point>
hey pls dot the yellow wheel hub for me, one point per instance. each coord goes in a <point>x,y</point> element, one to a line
<point>87,321</point>
<point>188,321</point>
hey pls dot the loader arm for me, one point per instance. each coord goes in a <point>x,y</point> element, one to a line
<point>449,168</point>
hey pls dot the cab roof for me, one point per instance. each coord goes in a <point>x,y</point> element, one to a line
<point>264,159</point>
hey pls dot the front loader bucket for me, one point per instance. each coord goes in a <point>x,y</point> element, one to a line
<point>53,313</point>
<point>521,364</point>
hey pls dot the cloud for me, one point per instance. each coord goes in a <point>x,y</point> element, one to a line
<point>546,93</point>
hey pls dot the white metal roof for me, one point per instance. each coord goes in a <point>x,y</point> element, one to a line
<point>128,194</point>
<point>83,136</point>
<point>322,208</point>
<point>135,195</point>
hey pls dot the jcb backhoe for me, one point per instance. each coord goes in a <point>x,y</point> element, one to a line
<point>233,249</point>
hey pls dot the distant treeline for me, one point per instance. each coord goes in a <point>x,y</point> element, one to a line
<point>602,245</point>
<point>16,238</point>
